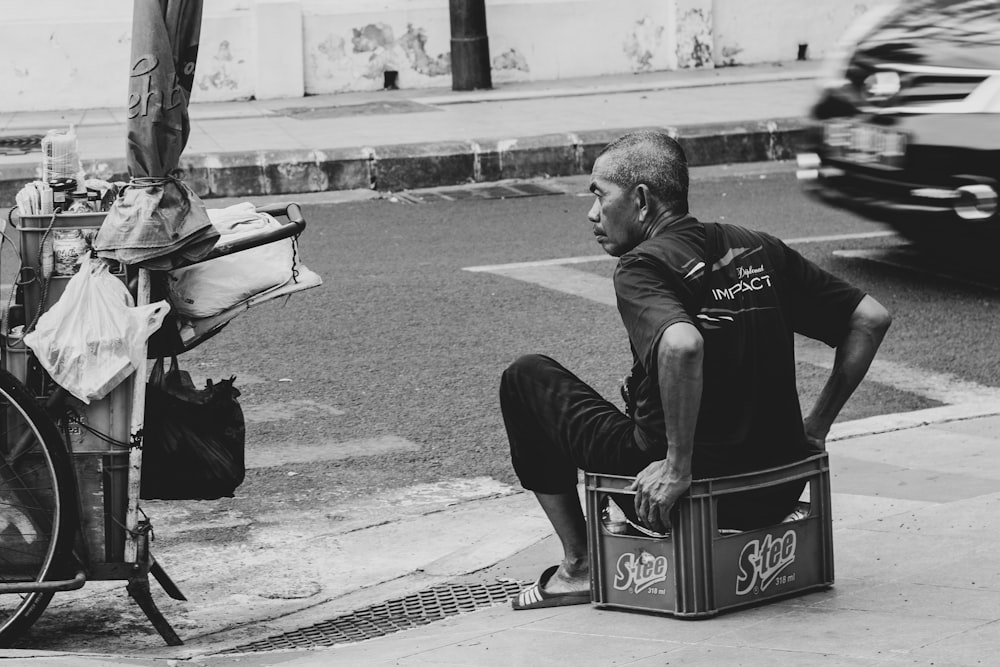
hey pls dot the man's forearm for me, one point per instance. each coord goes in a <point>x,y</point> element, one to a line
<point>679,363</point>
<point>853,358</point>
<point>679,356</point>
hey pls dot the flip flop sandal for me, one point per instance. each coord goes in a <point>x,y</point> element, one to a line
<point>535,596</point>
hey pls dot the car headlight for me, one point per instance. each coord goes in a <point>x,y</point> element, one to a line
<point>834,68</point>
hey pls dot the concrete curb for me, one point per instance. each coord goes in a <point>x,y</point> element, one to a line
<point>422,165</point>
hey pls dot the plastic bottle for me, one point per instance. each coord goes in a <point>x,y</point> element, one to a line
<point>94,200</point>
<point>79,203</point>
<point>613,518</point>
<point>60,155</point>
<point>68,246</point>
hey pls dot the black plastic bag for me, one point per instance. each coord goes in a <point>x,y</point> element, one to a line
<point>193,439</point>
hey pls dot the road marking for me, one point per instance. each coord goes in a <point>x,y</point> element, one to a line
<point>902,261</point>
<point>962,399</point>
<point>288,410</point>
<point>839,237</point>
<point>503,269</point>
<point>563,279</point>
<point>287,453</point>
<point>942,387</point>
<point>514,267</point>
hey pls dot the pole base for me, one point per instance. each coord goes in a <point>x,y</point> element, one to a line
<point>470,64</point>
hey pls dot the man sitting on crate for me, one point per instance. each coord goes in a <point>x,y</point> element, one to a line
<point>710,311</point>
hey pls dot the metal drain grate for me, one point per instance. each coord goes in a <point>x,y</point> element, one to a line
<point>20,145</point>
<point>479,191</point>
<point>427,606</point>
<point>380,108</point>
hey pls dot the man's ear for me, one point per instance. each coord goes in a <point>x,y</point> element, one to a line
<point>642,201</point>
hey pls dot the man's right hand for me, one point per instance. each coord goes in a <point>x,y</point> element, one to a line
<point>814,439</point>
<point>656,491</point>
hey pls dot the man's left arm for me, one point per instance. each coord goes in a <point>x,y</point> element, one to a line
<point>866,328</point>
<point>679,356</point>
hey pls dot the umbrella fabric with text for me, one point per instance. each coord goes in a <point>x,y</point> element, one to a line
<point>158,222</point>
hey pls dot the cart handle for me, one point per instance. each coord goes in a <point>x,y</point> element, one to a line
<point>295,226</point>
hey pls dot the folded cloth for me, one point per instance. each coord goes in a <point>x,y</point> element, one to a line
<point>156,223</point>
<point>166,258</point>
<point>226,220</point>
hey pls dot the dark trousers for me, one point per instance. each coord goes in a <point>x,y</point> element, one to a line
<point>557,424</point>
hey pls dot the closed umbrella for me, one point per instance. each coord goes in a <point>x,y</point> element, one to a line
<point>158,222</point>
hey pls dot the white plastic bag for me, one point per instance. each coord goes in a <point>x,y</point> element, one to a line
<point>209,288</point>
<point>93,337</point>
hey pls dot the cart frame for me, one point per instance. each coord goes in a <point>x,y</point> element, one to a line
<point>78,565</point>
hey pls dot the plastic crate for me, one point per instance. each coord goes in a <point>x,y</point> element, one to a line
<point>31,230</point>
<point>97,433</point>
<point>698,571</point>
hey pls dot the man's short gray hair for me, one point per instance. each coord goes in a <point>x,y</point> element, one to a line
<point>651,158</point>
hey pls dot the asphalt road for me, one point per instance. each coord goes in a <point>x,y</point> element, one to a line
<point>386,376</point>
<point>401,342</point>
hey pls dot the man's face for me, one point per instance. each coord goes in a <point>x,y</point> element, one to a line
<point>615,215</point>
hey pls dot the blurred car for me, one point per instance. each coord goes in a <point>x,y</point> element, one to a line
<point>907,125</point>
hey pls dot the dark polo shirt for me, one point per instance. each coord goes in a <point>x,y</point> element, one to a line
<point>747,299</point>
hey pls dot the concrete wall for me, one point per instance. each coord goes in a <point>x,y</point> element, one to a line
<point>62,54</point>
<point>349,45</point>
<point>763,31</point>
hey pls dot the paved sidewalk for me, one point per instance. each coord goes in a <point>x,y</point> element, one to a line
<point>916,512</point>
<point>395,140</point>
<point>916,535</point>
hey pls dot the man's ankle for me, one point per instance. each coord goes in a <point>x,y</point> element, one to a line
<point>576,567</point>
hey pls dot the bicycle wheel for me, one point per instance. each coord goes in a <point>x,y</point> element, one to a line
<point>37,504</point>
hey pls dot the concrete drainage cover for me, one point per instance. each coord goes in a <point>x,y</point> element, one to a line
<point>416,609</point>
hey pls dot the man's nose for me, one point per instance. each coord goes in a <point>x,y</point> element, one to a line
<point>594,215</point>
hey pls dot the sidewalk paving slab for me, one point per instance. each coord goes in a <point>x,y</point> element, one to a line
<point>917,583</point>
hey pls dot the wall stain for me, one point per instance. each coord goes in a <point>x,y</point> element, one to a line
<point>694,39</point>
<point>221,68</point>
<point>414,44</point>
<point>387,53</point>
<point>372,37</point>
<point>642,44</point>
<point>511,59</point>
<point>729,54</point>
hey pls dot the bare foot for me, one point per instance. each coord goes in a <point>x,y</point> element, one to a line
<point>564,582</point>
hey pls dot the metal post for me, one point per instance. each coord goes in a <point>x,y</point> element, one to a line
<point>132,536</point>
<point>470,48</point>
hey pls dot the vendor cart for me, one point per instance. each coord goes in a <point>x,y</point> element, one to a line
<point>70,471</point>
